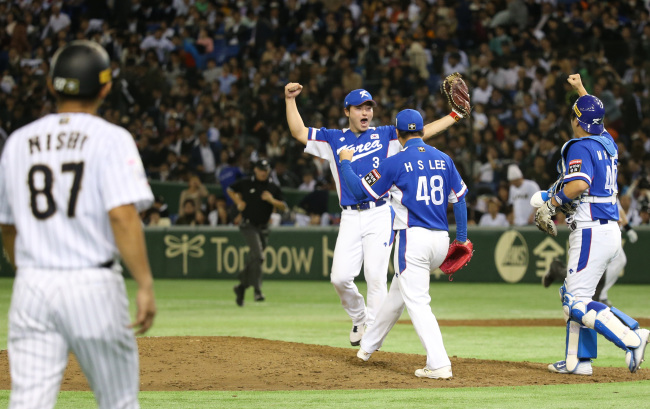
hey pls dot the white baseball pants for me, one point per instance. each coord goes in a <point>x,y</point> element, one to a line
<point>417,252</point>
<point>591,251</point>
<point>365,237</point>
<point>612,273</point>
<point>54,312</point>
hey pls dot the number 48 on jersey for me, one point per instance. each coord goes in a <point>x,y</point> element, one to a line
<point>437,193</point>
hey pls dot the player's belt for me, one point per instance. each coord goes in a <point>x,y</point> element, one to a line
<point>107,264</point>
<point>599,199</point>
<point>583,225</point>
<point>365,205</point>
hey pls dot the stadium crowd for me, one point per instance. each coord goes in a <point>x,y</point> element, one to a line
<point>199,83</point>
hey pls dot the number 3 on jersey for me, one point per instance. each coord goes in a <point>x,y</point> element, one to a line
<point>46,188</point>
<point>375,162</point>
<point>436,183</point>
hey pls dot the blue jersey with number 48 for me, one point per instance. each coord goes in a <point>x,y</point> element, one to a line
<point>588,160</point>
<point>425,180</point>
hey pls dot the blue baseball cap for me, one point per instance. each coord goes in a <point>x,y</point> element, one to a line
<point>409,120</point>
<point>590,113</point>
<point>358,97</point>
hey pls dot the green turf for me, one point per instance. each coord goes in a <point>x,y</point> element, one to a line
<point>627,394</point>
<point>310,312</point>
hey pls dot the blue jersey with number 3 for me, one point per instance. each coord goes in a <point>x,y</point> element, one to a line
<point>425,181</point>
<point>370,148</point>
<point>588,160</point>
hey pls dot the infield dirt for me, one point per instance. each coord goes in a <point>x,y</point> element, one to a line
<point>239,363</point>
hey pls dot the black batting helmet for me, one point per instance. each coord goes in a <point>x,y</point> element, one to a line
<point>80,69</point>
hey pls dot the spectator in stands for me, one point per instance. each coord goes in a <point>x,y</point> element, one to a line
<point>453,65</point>
<point>195,191</point>
<point>161,206</point>
<point>314,208</point>
<point>190,215</point>
<point>217,210</point>
<point>186,143</point>
<point>161,45</point>
<point>229,174</point>
<point>226,79</point>
<point>155,220</point>
<point>205,158</point>
<point>644,214</point>
<point>283,176</point>
<point>538,173</point>
<point>58,21</point>
<point>276,146</point>
<point>308,182</point>
<point>485,175</point>
<point>482,92</point>
<point>521,190</point>
<point>493,218</point>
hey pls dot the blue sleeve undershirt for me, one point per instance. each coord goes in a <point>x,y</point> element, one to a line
<point>460,214</point>
<point>353,182</point>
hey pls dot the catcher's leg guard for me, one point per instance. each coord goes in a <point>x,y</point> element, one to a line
<point>601,318</point>
<point>581,345</point>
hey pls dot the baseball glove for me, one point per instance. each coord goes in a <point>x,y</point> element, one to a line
<point>543,219</point>
<point>458,256</point>
<point>457,93</point>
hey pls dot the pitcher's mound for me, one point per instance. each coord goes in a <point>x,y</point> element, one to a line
<point>238,363</point>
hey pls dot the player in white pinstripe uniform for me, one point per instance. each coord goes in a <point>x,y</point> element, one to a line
<point>71,186</point>
<point>365,234</point>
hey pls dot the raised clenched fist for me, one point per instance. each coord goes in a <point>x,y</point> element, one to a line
<point>292,90</point>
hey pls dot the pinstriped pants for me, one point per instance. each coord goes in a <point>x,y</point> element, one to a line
<point>54,312</point>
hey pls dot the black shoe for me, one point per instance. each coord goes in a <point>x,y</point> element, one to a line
<point>239,292</point>
<point>259,296</point>
<point>556,271</point>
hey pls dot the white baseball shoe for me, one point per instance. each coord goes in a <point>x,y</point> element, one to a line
<point>634,357</point>
<point>440,373</point>
<point>363,355</point>
<point>583,368</point>
<point>356,334</point>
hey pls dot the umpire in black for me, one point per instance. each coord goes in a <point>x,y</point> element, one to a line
<point>255,197</point>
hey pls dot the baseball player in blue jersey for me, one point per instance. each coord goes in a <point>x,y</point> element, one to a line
<point>365,234</point>
<point>587,191</point>
<point>423,180</point>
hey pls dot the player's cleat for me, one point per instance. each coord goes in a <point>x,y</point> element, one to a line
<point>355,335</point>
<point>259,296</point>
<point>583,368</point>
<point>363,355</point>
<point>440,373</point>
<point>634,358</point>
<point>239,292</point>
<point>555,272</point>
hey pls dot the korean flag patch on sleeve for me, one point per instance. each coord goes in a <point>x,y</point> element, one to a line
<point>372,177</point>
<point>575,166</point>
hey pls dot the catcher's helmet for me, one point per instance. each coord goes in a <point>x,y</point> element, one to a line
<point>590,113</point>
<point>80,69</point>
